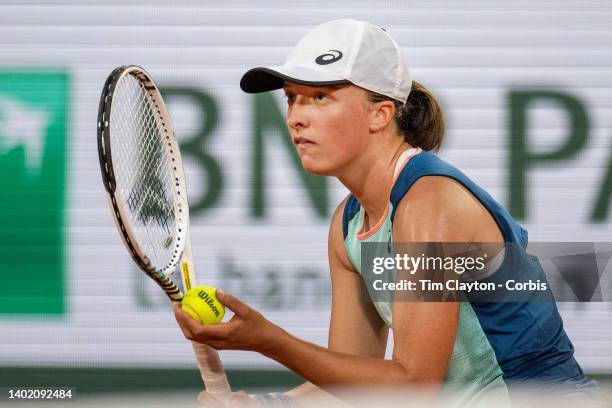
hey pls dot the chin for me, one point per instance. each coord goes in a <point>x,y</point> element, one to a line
<point>316,167</point>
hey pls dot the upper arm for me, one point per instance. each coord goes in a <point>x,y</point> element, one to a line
<point>434,210</point>
<point>355,326</point>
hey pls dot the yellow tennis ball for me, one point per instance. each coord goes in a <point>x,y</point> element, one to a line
<point>201,303</point>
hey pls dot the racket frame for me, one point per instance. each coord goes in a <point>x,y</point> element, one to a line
<point>208,361</point>
<point>182,251</point>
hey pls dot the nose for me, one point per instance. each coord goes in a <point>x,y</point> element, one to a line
<point>296,114</point>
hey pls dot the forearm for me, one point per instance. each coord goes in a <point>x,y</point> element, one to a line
<point>326,368</point>
<point>309,395</point>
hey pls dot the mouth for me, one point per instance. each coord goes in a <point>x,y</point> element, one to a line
<point>302,142</point>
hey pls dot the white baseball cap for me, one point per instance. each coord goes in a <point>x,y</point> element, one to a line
<point>339,52</point>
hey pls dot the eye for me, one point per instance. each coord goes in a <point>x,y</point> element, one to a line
<point>290,97</point>
<point>320,96</point>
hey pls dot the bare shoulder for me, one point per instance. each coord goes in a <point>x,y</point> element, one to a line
<point>439,209</point>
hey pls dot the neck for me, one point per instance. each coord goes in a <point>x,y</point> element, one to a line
<point>370,179</point>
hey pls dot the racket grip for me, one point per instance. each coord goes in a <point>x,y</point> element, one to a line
<point>212,371</point>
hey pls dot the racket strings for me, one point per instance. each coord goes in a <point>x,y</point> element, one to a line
<point>143,171</point>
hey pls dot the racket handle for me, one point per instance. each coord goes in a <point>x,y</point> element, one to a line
<point>212,371</point>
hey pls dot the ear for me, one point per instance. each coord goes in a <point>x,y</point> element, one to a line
<point>381,115</point>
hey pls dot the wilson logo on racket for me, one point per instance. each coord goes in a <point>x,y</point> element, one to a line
<point>209,301</point>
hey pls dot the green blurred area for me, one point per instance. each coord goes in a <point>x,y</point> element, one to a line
<point>34,118</point>
<point>138,380</point>
<point>133,380</point>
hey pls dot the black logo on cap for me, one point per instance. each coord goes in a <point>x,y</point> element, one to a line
<point>326,59</point>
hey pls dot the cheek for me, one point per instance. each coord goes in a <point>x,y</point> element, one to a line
<point>346,132</point>
<point>341,138</point>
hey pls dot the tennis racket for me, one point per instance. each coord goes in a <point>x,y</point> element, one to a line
<point>143,175</point>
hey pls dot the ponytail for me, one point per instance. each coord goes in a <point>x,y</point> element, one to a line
<point>420,120</point>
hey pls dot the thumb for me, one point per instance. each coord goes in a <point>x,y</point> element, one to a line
<point>232,303</point>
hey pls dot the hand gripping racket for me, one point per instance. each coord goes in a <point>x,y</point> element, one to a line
<point>143,176</point>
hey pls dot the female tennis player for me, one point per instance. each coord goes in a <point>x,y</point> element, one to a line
<point>354,113</point>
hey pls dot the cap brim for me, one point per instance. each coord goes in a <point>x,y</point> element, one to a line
<point>263,79</point>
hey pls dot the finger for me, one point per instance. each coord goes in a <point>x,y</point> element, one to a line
<point>206,399</point>
<point>240,399</point>
<point>183,317</point>
<point>239,308</point>
<point>196,331</point>
<point>185,322</point>
<point>179,314</point>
